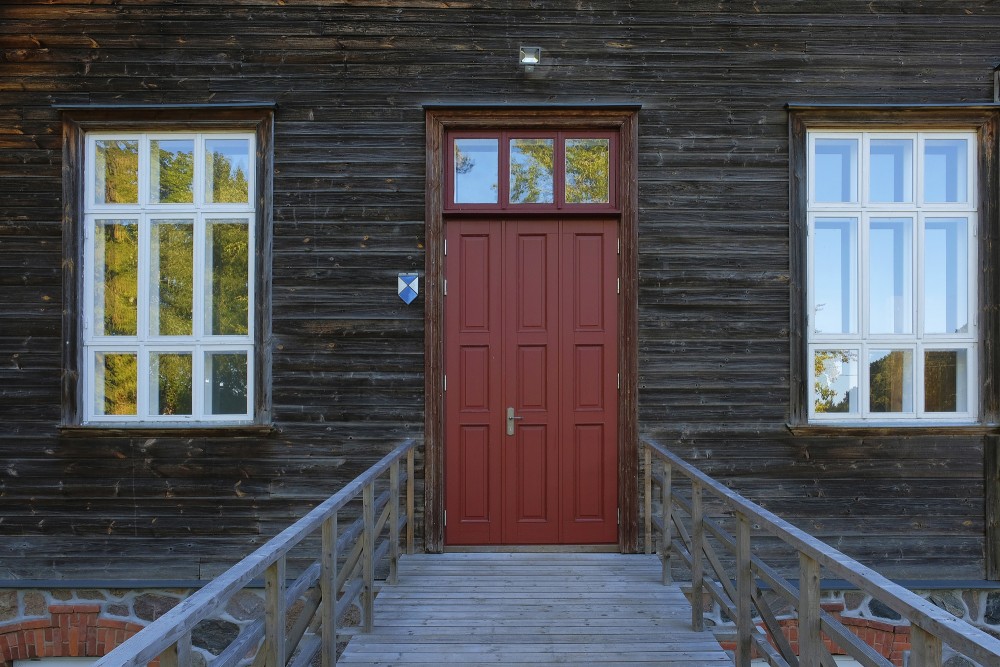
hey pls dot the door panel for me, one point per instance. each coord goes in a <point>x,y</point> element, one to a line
<point>534,328</point>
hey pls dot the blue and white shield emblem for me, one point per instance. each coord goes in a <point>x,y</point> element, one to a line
<point>408,288</point>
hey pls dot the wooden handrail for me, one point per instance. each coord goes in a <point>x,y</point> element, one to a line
<point>931,626</point>
<point>169,637</point>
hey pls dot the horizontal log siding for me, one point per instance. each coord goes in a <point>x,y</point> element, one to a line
<point>350,79</point>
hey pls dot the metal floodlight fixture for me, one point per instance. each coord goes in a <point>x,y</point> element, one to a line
<point>530,56</point>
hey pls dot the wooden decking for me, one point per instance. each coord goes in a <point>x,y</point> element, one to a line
<point>505,608</point>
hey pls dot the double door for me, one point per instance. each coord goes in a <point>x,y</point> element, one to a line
<point>531,364</point>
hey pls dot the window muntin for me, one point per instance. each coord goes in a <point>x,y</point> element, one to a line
<point>891,255</point>
<point>169,278</point>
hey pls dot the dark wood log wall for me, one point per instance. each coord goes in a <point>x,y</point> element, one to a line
<point>349,80</point>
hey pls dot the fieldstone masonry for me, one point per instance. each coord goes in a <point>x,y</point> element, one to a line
<point>90,623</point>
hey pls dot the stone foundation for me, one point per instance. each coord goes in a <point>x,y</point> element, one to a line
<point>879,626</point>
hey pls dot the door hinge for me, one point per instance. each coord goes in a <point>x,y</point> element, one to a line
<point>618,286</point>
<point>446,382</point>
<point>619,380</point>
<point>619,516</point>
<point>446,517</point>
<point>446,287</point>
<point>446,247</point>
<point>619,246</point>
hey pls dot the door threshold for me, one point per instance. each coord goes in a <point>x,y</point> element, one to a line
<point>534,548</point>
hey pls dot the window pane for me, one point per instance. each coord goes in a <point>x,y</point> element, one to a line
<point>587,170</point>
<point>890,277</point>
<point>477,170</point>
<point>171,166</point>
<point>946,177</point>
<point>890,380</point>
<point>531,162</point>
<point>891,170</point>
<point>228,276</point>
<point>116,166</point>
<point>116,277</point>
<point>946,271</point>
<point>116,383</point>
<point>172,288</point>
<point>835,270</point>
<point>228,380</point>
<point>227,169</point>
<point>835,170</point>
<point>946,381</point>
<point>835,381</point>
<point>170,390</point>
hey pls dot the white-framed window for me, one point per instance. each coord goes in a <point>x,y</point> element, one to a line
<point>892,299</point>
<point>168,318</point>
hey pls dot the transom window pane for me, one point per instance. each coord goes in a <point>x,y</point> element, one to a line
<point>892,285</point>
<point>227,171</point>
<point>835,170</point>
<point>477,171</point>
<point>946,177</point>
<point>835,271</point>
<point>891,173</point>
<point>171,164</point>
<point>531,171</point>
<point>168,329</point>
<point>890,276</point>
<point>116,167</point>
<point>588,166</point>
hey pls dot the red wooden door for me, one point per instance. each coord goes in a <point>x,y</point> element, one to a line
<point>531,329</point>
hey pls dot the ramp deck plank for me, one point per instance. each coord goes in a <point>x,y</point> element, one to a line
<point>532,608</point>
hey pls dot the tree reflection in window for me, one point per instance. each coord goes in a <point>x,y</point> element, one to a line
<point>587,170</point>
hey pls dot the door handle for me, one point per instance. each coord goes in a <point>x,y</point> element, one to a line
<point>510,421</point>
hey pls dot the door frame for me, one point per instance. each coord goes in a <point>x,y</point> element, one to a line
<point>438,121</point>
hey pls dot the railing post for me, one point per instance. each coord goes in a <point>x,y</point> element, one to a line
<point>697,558</point>
<point>393,521</point>
<point>274,614</point>
<point>368,559</point>
<point>328,589</point>
<point>667,501</point>
<point>648,496</point>
<point>744,584</point>
<point>810,642</point>
<point>178,654</point>
<point>409,500</point>
<point>925,648</point>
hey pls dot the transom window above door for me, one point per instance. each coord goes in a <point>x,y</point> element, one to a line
<point>531,171</point>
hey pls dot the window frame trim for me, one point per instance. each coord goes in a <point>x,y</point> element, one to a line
<point>77,124</point>
<point>983,122</point>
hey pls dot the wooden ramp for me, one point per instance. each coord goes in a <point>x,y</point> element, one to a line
<point>504,609</point>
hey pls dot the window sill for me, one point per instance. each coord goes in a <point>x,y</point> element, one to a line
<point>859,429</point>
<point>164,430</point>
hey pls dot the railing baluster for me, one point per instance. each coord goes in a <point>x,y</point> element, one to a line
<point>647,477</point>
<point>179,654</point>
<point>810,642</point>
<point>409,500</point>
<point>744,585</point>
<point>393,521</point>
<point>697,558</point>
<point>274,614</point>
<point>667,502</point>
<point>368,559</point>
<point>328,589</point>
<point>925,648</point>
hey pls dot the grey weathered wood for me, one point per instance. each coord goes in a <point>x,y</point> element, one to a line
<point>925,648</point>
<point>813,555</point>
<point>393,521</point>
<point>647,497</point>
<point>744,592</point>
<point>538,608</point>
<point>274,614</point>
<point>667,538</point>
<point>328,562</point>
<point>410,492</point>
<point>697,557</point>
<point>368,559</point>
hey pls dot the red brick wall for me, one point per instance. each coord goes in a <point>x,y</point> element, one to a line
<point>72,630</point>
